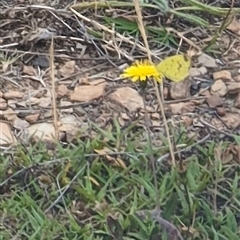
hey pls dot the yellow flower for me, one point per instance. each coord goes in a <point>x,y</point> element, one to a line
<point>142,70</point>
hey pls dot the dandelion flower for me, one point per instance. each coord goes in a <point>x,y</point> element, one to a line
<point>141,71</point>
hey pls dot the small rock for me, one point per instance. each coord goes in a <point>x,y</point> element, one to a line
<point>197,101</point>
<point>70,119</point>
<point>165,92</point>
<point>66,104</point>
<point>72,135</point>
<point>1,94</point>
<point>219,88</point>
<point>6,136</point>
<point>68,124</point>
<point>221,111</point>
<point>13,94</point>
<point>12,103</point>
<point>197,71</point>
<point>233,87</point>
<point>3,104</point>
<point>207,61</point>
<point>38,93</point>
<point>237,101</point>
<point>9,115</point>
<point>42,132</point>
<point>47,114</point>
<point>187,121</point>
<point>232,120</point>
<point>237,78</point>
<point>182,107</point>
<point>21,104</point>
<point>33,118</point>
<point>45,102</point>
<point>180,90</point>
<point>155,116</point>
<point>67,69</point>
<point>87,93</point>
<point>96,82</point>
<point>223,75</point>
<point>204,92</point>
<point>41,61</point>
<point>20,124</point>
<point>62,91</point>
<point>128,98</point>
<point>32,101</point>
<point>214,101</point>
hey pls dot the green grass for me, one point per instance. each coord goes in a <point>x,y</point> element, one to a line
<point>83,195</point>
<point>186,15</point>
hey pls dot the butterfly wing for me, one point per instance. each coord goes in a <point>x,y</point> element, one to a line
<point>175,68</point>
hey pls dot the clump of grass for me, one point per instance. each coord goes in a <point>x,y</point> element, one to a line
<point>83,195</point>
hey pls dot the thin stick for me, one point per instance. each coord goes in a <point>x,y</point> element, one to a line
<point>54,105</point>
<point>143,33</point>
<point>100,26</point>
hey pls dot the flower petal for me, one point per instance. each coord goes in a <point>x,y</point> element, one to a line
<point>142,70</point>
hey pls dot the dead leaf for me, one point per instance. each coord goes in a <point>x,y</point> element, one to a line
<point>232,120</point>
<point>113,160</point>
<point>93,180</point>
<point>29,70</point>
<point>234,26</point>
<point>87,93</point>
<point>67,69</point>
<point>64,179</point>
<point>45,179</point>
<point>236,152</point>
<point>128,98</point>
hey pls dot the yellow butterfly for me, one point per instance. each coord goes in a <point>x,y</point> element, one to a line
<point>175,68</point>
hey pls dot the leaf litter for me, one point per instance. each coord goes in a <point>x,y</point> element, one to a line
<point>28,111</point>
